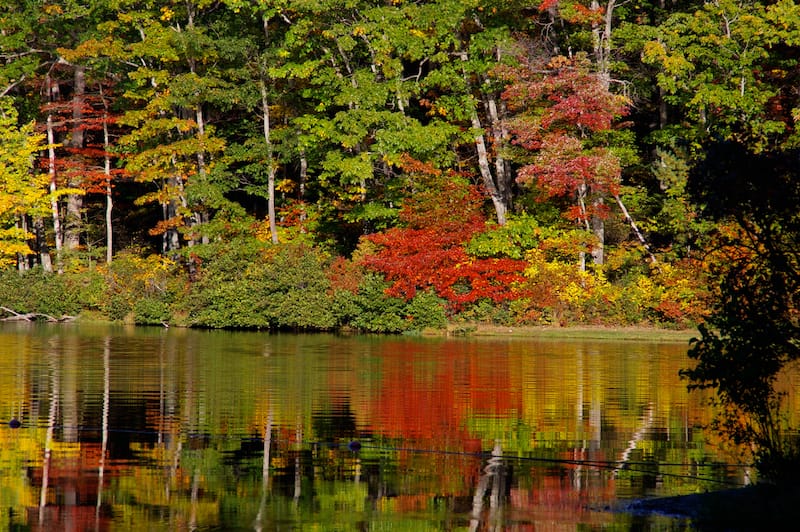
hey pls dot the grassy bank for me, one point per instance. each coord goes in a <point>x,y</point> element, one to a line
<point>636,333</point>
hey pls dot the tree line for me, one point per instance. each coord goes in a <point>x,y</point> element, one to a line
<point>531,156</point>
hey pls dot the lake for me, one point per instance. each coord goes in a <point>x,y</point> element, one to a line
<point>174,429</point>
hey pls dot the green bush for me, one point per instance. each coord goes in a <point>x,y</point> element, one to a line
<point>139,287</point>
<point>40,292</point>
<point>299,292</point>
<point>249,284</point>
<point>151,311</point>
<point>376,312</point>
<point>427,311</point>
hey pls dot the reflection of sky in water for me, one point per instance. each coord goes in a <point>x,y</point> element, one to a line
<point>167,429</point>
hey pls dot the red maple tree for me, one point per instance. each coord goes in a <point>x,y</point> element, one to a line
<point>428,251</point>
<point>562,109</point>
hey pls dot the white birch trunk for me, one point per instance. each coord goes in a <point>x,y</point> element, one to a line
<point>51,170</point>
<point>273,229</point>
<point>500,206</point>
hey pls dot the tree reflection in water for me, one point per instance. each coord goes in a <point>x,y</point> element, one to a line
<point>196,429</point>
<point>493,481</point>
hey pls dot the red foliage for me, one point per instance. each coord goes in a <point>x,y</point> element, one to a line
<point>547,4</point>
<point>418,259</point>
<point>576,12</point>
<point>560,107</point>
<point>562,165</point>
<point>429,252</point>
<point>82,166</point>
<point>344,275</point>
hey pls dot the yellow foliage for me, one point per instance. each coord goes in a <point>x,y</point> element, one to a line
<point>285,185</point>
<point>22,190</point>
<point>559,290</point>
<point>53,9</point>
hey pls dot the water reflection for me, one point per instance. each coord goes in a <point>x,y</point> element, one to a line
<point>171,429</point>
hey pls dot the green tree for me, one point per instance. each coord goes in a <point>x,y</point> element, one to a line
<point>174,71</point>
<point>728,68</point>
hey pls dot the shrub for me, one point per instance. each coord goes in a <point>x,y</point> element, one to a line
<point>151,311</point>
<point>427,311</point>
<point>40,292</point>
<point>135,285</point>
<point>374,311</point>
<point>249,284</point>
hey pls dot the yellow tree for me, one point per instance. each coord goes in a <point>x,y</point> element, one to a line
<point>23,190</point>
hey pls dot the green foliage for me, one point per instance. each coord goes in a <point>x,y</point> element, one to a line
<point>136,286</point>
<point>39,292</point>
<point>369,308</point>
<point>247,284</point>
<point>520,234</point>
<point>723,65</point>
<point>374,311</point>
<point>427,311</point>
<point>374,109</point>
<point>151,311</point>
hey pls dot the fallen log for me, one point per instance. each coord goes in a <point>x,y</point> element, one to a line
<point>32,316</point>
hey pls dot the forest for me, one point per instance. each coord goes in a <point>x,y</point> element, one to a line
<point>394,165</point>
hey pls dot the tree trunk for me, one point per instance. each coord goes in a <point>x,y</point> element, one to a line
<point>599,230</point>
<point>601,35</point>
<point>301,193</point>
<point>273,230</point>
<point>42,247</point>
<point>51,170</point>
<point>170,240</point>
<point>262,81</point>
<point>635,228</point>
<point>73,222</point>
<point>22,260</point>
<point>200,217</point>
<point>602,52</point>
<point>501,165</point>
<point>109,200</point>
<point>501,207</point>
<point>582,192</point>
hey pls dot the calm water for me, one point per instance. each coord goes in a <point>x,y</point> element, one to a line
<point>153,429</point>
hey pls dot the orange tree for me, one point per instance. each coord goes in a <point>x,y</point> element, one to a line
<point>428,251</point>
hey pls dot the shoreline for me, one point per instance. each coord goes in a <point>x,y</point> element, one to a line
<point>577,332</point>
<point>754,507</point>
<point>639,333</point>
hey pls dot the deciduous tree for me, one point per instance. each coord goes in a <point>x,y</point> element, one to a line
<point>23,189</point>
<point>753,332</point>
<point>565,119</point>
<point>429,252</point>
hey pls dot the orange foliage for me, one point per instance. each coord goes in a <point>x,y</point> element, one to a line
<point>344,275</point>
<point>429,252</point>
